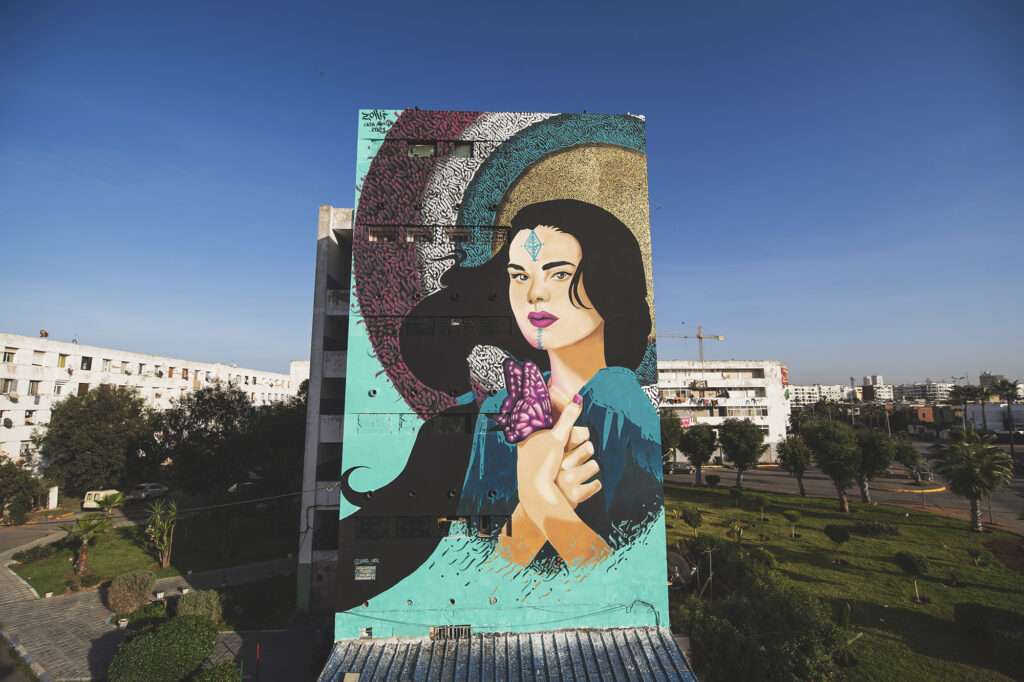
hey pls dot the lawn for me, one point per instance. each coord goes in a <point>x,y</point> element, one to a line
<point>197,547</point>
<point>902,640</point>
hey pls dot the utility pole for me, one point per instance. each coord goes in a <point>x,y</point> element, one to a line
<point>853,398</point>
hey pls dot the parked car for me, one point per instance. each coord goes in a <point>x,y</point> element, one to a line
<point>147,491</point>
<point>93,497</point>
<point>677,468</point>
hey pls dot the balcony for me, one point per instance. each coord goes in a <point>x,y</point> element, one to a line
<point>335,362</point>
<point>337,301</point>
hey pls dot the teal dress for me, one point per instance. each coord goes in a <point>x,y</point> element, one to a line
<point>625,430</point>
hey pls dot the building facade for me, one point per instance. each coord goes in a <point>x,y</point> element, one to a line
<point>712,391</point>
<point>460,294</point>
<point>38,372</point>
<point>927,391</point>
<point>801,396</point>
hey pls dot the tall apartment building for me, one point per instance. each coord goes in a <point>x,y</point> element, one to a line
<point>879,393</point>
<point>38,372</point>
<point>712,391</point>
<point>801,396</point>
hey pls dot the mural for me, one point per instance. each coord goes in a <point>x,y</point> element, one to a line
<point>501,463</point>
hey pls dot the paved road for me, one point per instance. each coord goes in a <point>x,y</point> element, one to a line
<point>1007,504</point>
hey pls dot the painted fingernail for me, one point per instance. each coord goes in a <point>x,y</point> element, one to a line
<point>578,399</point>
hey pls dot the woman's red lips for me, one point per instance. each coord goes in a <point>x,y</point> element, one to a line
<point>542,320</point>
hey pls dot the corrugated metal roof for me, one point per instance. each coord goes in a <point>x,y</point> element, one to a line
<point>626,654</point>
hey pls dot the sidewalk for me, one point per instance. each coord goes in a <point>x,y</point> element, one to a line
<point>69,637</point>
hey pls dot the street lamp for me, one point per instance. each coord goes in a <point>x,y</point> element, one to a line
<point>963,404</point>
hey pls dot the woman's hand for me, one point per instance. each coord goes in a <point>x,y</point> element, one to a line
<point>577,467</point>
<point>540,460</point>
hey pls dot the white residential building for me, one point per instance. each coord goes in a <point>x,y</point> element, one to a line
<point>928,391</point>
<point>38,372</point>
<point>714,390</point>
<point>801,396</point>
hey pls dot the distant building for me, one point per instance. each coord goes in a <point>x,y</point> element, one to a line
<point>989,380</point>
<point>874,380</point>
<point>801,396</point>
<point>876,393</point>
<point>38,372</point>
<point>928,391</point>
<point>712,391</point>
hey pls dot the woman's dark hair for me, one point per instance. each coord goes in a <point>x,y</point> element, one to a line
<point>477,296</point>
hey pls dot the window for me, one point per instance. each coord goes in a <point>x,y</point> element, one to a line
<point>8,386</point>
<point>142,367</point>
<point>422,150</point>
<point>9,354</point>
<point>83,389</point>
<point>106,364</point>
<point>124,367</point>
<point>184,373</point>
<point>463,150</point>
<point>86,363</point>
<point>30,416</point>
<point>33,388</point>
<point>383,235</point>
<point>62,360</point>
<point>455,235</point>
<point>419,235</point>
<point>57,388</point>
<point>37,357</point>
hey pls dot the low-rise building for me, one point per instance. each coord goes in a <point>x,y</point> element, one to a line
<point>38,372</point>
<point>714,390</point>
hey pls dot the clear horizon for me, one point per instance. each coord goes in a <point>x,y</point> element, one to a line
<point>840,185</point>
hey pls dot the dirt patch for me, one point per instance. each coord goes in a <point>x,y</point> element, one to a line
<point>1010,553</point>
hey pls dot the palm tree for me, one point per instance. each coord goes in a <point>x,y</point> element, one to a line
<point>1008,389</point>
<point>981,394</point>
<point>82,532</point>
<point>973,468</point>
<point>110,502</point>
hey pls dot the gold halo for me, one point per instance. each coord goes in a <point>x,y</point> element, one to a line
<point>614,178</point>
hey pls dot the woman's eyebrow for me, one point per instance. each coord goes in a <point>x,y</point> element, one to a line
<point>516,267</point>
<point>556,264</point>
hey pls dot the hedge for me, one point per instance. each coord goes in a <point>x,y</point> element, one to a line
<point>204,603</point>
<point>222,672</point>
<point>170,654</point>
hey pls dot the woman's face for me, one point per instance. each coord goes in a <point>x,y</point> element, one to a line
<point>541,265</point>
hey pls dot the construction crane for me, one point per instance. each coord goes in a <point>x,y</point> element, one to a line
<point>700,336</point>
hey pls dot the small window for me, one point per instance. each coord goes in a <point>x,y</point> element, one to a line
<point>463,150</point>
<point>457,235</point>
<point>33,388</point>
<point>83,389</point>
<point>124,367</point>
<point>86,363</point>
<point>170,372</point>
<point>184,373</point>
<point>419,235</point>
<point>9,354</point>
<point>422,150</point>
<point>8,385</point>
<point>142,367</point>
<point>38,357</point>
<point>30,417</point>
<point>383,235</point>
<point>57,388</point>
<point>62,360</point>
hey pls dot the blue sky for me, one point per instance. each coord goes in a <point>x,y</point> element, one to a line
<point>842,183</point>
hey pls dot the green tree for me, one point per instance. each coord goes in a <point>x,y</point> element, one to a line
<point>835,450</point>
<point>18,489</point>
<point>692,517</point>
<point>876,454</point>
<point>910,457</point>
<point>981,394</point>
<point>671,429</point>
<point>94,441</point>
<point>973,468</point>
<point>743,443</point>
<point>798,419</point>
<point>80,534</point>
<point>838,535</point>
<point>160,525</point>
<point>794,458</point>
<point>791,515</point>
<point>1008,390</point>
<point>206,438</point>
<point>762,502</point>
<point>915,566</point>
<point>698,444</point>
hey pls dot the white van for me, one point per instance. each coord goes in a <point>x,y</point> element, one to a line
<point>93,497</point>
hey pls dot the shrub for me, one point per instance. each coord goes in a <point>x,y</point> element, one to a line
<point>692,517</point>
<point>222,672</point>
<point>974,552</point>
<point>736,530</point>
<point>169,654</point>
<point>204,603</point>
<point>876,528</point>
<point>148,617</point>
<point>837,534</point>
<point>713,479</point>
<point>764,557</point>
<point>761,503</point>
<point>37,553</point>
<point>915,566</point>
<point>792,516</point>
<point>91,580</point>
<point>1001,630</point>
<point>130,591</point>
<point>18,509</point>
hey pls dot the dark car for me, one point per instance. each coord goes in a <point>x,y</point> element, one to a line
<point>677,468</point>
<point>147,491</point>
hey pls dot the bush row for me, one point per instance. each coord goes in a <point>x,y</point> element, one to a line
<point>169,654</point>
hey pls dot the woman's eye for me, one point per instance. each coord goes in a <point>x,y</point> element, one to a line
<point>561,275</point>
<point>518,276</point>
